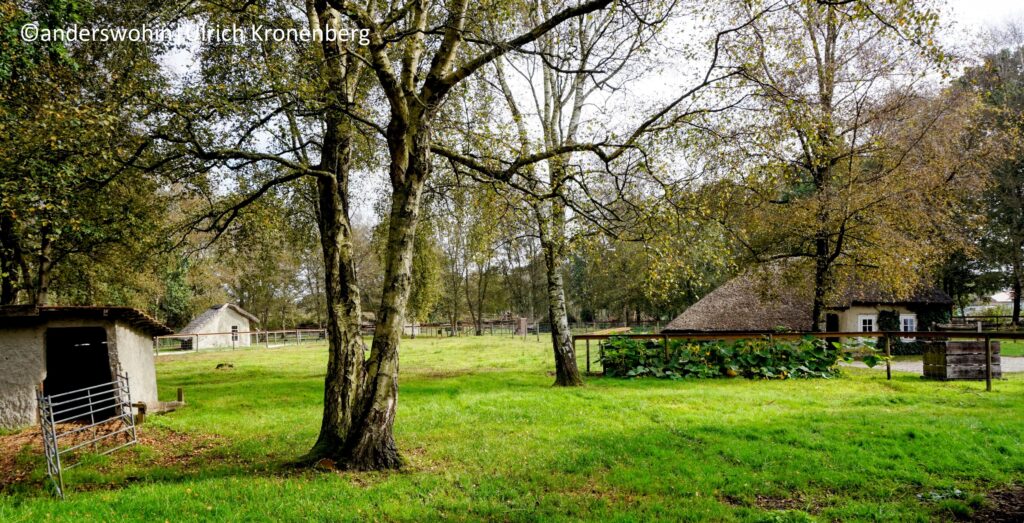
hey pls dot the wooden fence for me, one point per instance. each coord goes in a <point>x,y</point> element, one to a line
<point>885,335</point>
<point>173,343</point>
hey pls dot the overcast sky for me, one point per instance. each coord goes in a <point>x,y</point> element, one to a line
<point>964,20</point>
<point>980,13</point>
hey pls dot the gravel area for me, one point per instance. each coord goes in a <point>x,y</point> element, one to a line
<point>1009,363</point>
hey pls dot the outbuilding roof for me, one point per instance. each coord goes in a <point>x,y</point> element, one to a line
<point>21,315</point>
<point>765,301</point>
<point>196,325</point>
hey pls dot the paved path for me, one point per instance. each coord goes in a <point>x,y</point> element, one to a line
<point>1010,364</point>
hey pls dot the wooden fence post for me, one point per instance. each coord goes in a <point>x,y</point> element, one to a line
<point>888,360</point>
<point>588,355</point>
<point>988,363</point>
<point>140,416</point>
<point>181,395</point>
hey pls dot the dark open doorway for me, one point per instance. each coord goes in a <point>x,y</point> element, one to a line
<point>831,323</point>
<point>77,358</point>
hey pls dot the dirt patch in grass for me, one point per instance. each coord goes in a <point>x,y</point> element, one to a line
<point>175,449</point>
<point>775,503</point>
<point>1002,506</point>
<point>21,453</point>
<point>16,456</point>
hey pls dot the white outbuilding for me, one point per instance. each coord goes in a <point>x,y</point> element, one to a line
<point>63,349</point>
<point>224,325</point>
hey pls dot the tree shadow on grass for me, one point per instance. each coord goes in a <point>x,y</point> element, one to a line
<point>162,455</point>
<point>747,444</point>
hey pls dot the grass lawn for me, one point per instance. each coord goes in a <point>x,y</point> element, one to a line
<point>1011,347</point>
<point>486,437</point>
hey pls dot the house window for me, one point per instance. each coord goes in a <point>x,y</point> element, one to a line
<point>234,333</point>
<point>908,323</point>
<point>867,322</point>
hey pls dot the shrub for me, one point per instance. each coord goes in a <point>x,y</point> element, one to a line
<point>752,358</point>
<point>889,320</point>
<point>898,347</point>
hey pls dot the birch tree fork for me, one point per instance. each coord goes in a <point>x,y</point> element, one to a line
<point>416,75</point>
<point>287,112</point>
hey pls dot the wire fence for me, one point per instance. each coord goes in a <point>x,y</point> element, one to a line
<point>987,322</point>
<point>196,342</point>
<point>234,340</point>
<point>515,328</point>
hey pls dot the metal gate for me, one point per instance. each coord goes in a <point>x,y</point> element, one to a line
<point>96,419</point>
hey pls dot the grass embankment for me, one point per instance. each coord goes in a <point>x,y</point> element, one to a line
<point>486,437</point>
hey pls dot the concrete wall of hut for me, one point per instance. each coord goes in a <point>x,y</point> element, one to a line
<point>23,366</point>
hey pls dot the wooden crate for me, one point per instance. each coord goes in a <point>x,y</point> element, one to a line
<point>959,360</point>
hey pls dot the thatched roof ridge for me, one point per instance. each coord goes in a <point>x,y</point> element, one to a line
<point>740,304</point>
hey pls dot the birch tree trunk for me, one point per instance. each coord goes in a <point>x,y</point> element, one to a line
<point>413,106</point>
<point>346,349</point>
<point>345,353</point>
<point>371,444</point>
<point>552,240</point>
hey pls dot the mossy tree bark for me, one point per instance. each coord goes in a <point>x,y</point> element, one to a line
<point>345,361</point>
<point>371,444</point>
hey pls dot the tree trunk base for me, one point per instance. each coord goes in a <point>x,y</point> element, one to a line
<point>373,455</point>
<point>326,447</point>
<point>568,382</point>
<point>383,458</point>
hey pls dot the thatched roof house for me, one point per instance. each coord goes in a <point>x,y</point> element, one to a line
<point>765,301</point>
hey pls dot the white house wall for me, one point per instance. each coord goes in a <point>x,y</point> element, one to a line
<point>221,326</point>
<point>21,370</point>
<point>135,358</point>
<point>848,318</point>
<point>23,366</point>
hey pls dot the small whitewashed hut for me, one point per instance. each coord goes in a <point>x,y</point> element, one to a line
<point>224,325</point>
<point>62,349</point>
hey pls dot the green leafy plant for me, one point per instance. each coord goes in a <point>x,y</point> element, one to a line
<point>761,358</point>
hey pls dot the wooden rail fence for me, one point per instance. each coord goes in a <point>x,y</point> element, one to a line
<point>885,335</point>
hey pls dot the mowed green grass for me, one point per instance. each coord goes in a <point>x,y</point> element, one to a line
<point>487,438</point>
<point>1011,347</point>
